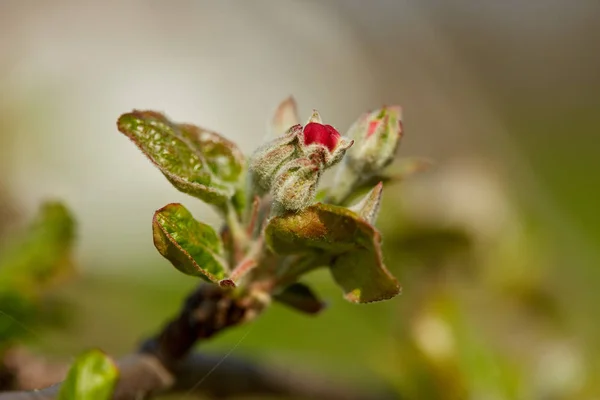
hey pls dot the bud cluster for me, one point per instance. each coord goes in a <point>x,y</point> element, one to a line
<point>267,243</point>
<point>290,166</point>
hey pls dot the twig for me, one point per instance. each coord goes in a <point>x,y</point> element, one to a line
<point>162,365</point>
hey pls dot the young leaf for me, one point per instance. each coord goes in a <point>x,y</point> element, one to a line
<point>321,226</point>
<point>363,277</point>
<point>368,207</point>
<point>196,161</point>
<point>354,244</point>
<point>300,297</point>
<point>192,247</point>
<point>93,376</point>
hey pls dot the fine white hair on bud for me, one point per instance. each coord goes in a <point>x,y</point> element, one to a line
<point>269,158</point>
<point>295,186</point>
<point>377,135</point>
<point>289,166</point>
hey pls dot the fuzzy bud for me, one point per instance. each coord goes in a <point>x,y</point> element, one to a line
<point>295,185</point>
<point>290,166</point>
<point>268,159</point>
<point>376,135</point>
<point>324,140</point>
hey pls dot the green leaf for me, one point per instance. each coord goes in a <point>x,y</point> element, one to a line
<point>192,247</point>
<point>30,263</point>
<point>93,376</point>
<point>196,161</point>
<point>368,207</point>
<point>318,227</point>
<point>353,243</point>
<point>300,297</point>
<point>363,277</point>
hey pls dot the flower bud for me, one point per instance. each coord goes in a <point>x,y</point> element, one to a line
<point>295,185</point>
<point>268,159</point>
<point>320,145</point>
<point>376,135</point>
<point>324,140</point>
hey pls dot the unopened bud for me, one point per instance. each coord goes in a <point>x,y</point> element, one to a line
<point>324,139</point>
<point>271,157</point>
<point>295,161</point>
<point>376,135</point>
<point>295,185</point>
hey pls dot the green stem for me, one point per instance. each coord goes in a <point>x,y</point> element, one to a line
<point>238,233</point>
<point>344,184</point>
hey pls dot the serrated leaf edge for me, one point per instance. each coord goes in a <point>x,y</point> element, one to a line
<point>210,276</point>
<point>170,176</point>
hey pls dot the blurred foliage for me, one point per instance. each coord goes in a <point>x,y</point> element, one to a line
<point>31,263</point>
<point>482,315</point>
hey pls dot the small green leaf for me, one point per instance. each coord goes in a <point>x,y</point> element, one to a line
<point>196,161</point>
<point>363,277</point>
<point>301,298</point>
<point>368,207</point>
<point>93,376</point>
<point>192,247</point>
<point>353,243</point>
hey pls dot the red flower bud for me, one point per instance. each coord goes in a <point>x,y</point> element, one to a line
<point>325,135</point>
<point>290,165</point>
<point>317,138</point>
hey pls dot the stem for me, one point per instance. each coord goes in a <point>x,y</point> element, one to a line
<point>238,233</point>
<point>242,269</point>
<point>344,184</point>
<point>252,259</point>
<point>253,218</point>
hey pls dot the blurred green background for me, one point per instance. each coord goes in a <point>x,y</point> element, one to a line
<point>496,246</point>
